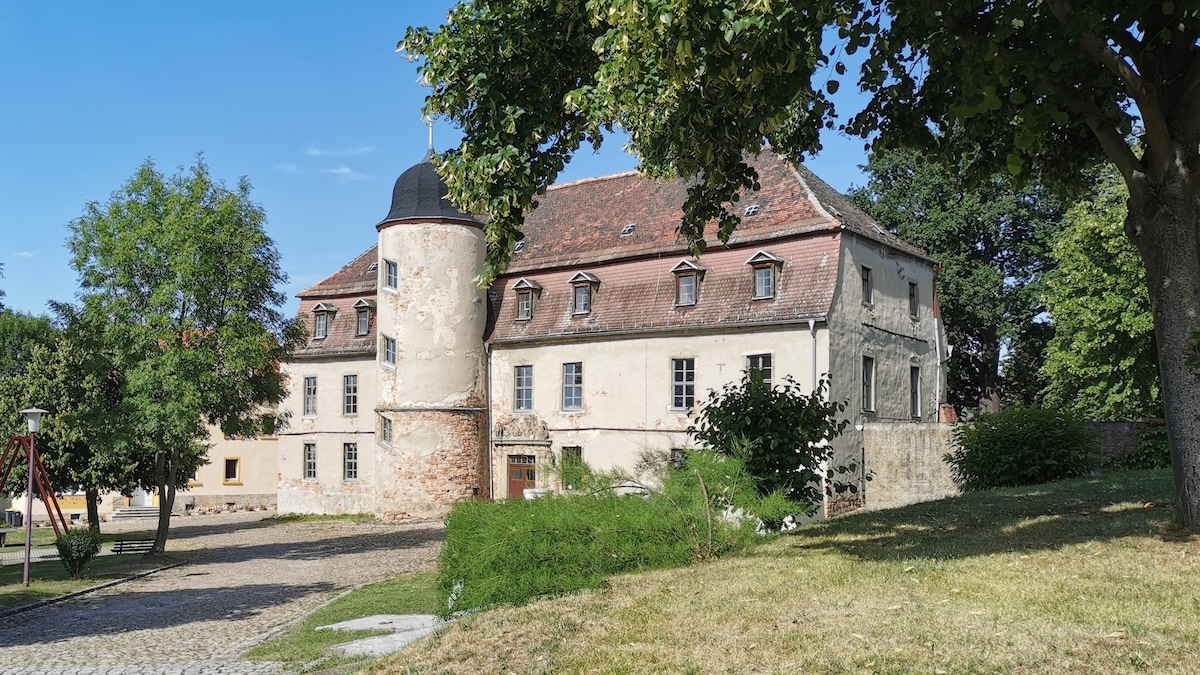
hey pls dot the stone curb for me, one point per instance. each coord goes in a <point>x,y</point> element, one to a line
<point>74,594</point>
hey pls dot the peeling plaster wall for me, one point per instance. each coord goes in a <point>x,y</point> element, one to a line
<point>434,394</point>
<point>907,462</point>
<point>885,331</point>
<point>627,390</point>
<point>329,429</point>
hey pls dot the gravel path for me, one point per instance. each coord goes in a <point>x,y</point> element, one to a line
<point>244,579</point>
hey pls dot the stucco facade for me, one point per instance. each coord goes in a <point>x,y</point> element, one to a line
<point>602,339</point>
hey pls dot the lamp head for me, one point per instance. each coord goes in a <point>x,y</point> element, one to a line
<point>33,418</point>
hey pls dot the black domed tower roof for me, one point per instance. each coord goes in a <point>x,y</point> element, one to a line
<point>420,194</point>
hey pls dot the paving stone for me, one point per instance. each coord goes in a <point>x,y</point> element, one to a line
<point>245,579</point>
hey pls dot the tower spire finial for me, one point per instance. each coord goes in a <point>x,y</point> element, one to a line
<point>428,121</point>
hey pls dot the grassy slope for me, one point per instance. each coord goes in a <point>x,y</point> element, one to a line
<point>1076,577</point>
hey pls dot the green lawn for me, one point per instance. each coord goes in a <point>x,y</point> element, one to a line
<point>1085,576</point>
<point>303,644</point>
<point>50,579</point>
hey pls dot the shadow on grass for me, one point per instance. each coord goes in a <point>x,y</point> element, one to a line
<point>1042,517</point>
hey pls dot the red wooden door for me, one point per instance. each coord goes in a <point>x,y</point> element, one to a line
<point>522,473</point>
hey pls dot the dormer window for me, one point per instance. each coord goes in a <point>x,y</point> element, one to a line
<point>687,282</point>
<point>628,229</point>
<point>526,290</point>
<point>520,246</point>
<point>362,317</point>
<point>766,268</point>
<point>751,210</point>
<point>321,314</point>
<point>583,285</point>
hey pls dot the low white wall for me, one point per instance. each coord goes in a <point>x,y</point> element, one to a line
<point>906,461</point>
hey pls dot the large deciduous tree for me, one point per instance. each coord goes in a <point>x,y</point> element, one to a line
<point>183,280</point>
<point>992,240</point>
<point>1038,88</point>
<point>1102,361</point>
<point>20,333</point>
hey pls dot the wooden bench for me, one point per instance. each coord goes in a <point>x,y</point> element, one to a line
<point>133,545</point>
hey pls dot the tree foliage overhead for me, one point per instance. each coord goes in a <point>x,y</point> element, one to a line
<point>180,281</point>
<point>991,238</point>
<point>1102,362</point>
<point>20,334</point>
<point>1042,89</point>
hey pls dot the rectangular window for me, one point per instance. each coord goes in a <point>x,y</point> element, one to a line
<point>914,301</point>
<point>764,282</point>
<point>868,292</point>
<point>525,305</point>
<point>572,468</point>
<point>385,430</point>
<point>685,289</point>
<point>583,299</point>
<point>523,391</point>
<point>683,383</point>
<point>914,392</point>
<point>310,396</point>
<point>391,274</point>
<point>310,461</point>
<point>350,395</point>
<point>761,364</point>
<point>389,350</point>
<point>868,383</point>
<point>572,398</point>
<point>364,322</point>
<point>320,325</point>
<point>233,467</point>
<point>350,461</point>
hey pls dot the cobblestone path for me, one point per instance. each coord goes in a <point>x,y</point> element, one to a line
<point>242,581</point>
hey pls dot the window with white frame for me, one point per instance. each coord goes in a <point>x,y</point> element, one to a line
<point>583,287</point>
<point>572,389</point>
<point>914,391</point>
<point>683,384</point>
<point>687,282</point>
<point>310,396</point>
<point>362,322</point>
<point>385,430</point>
<point>391,274</point>
<point>310,461</point>
<point>389,350</point>
<point>320,325</point>
<point>760,364</point>
<point>868,383</point>
<point>868,289</point>
<point>350,395</point>
<point>350,461</point>
<point>766,267</point>
<point>523,388</point>
<point>526,290</point>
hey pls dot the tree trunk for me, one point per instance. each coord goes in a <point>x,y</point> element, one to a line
<point>164,508</point>
<point>93,508</point>
<point>1164,223</point>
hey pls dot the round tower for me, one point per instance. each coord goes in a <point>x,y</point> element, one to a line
<point>432,407</point>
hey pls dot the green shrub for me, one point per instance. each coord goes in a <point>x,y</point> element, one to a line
<point>507,553</point>
<point>780,433</point>
<point>1021,446</point>
<point>1153,450</point>
<point>76,547</point>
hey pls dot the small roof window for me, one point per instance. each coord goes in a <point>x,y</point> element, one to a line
<point>751,210</point>
<point>519,247</point>
<point>372,267</point>
<point>628,229</point>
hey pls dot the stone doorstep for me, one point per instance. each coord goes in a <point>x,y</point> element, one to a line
<point>406,629</point>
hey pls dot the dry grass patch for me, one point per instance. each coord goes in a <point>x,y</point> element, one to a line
<point>1078,577</point>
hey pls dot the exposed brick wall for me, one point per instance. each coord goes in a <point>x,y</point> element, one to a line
<point>426,485</point>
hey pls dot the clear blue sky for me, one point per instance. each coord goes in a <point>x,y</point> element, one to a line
<point>307,99</point>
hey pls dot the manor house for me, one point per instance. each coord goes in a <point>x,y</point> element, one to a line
<point>417,389</point>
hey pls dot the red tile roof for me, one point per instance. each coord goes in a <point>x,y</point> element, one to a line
<point>358,277</point>
<point>636,296</point>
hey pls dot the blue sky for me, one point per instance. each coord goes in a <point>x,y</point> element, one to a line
<point>307,99</point>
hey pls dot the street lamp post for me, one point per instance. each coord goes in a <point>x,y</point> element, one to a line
<point>33,419</point>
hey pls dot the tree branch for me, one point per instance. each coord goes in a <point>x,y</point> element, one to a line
<point>1111,140</point>
<point>1143,93</point>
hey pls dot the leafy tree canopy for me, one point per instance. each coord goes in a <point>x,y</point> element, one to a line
<point>1039,89</point>
<point>20,333</point>
<point>991,237</point>
<point>1102,362</point>
<point>180,282</point>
